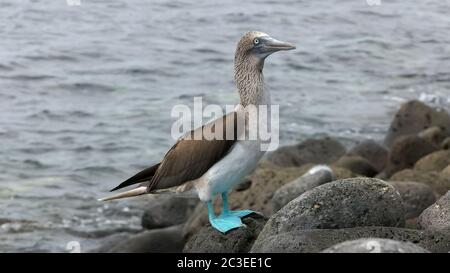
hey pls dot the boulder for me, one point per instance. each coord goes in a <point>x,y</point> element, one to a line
<point>316,176</point>
<point>375,245</point>
<point>316,240</point>
<point>376,154</point>
<point>240,240</point>
<point>405,151</point>
<point>446,172</point>
<point>340,204</point>
<point>356,164</point>
<point>152,241</point>
<point>111,241</point>
<point>438,182</point>
<point>416,197</point>
<point>434,162</point>
<point>316,151</point>
<point>433,135</point>
<point>167,210</point>
<point>437,216</point>
<point>415,116</point>
<point>338,172</point>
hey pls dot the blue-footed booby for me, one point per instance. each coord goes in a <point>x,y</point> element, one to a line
<point>208,167</point>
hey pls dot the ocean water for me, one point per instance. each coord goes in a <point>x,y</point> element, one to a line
<point>86,91</point>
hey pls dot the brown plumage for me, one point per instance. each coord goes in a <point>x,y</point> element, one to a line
<point>189,158</point>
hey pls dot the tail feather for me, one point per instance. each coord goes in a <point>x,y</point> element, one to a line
<point>143,176</point>
<point>134,192</point>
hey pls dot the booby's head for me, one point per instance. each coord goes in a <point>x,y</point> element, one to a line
<point>251,51</point>
<point>255,46</point>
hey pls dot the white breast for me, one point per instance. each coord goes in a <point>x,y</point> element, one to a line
<point>232,169</point>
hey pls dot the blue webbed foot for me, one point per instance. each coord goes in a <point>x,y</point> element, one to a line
<point>238,213</point>
<point>222,223</point>
<point>226,223</point>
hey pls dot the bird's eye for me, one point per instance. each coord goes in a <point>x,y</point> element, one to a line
<point>256,41</point>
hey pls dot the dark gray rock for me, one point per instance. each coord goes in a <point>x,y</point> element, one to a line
<point>111,241</point>
<point>166,211</point>
<point>343,203</point>
<point>376,154</point>
<point>437,216</point>
<point>375,245</point>
<point>415,116</point>
<point>167,240</point>
<point>356,164</point>
<point>434,162</point>
<point>209,240</point>
<point>316,151</point>
<point>316,240</point>
<point>405,151</point>
<point>416,197</point>
<point>316,176</point>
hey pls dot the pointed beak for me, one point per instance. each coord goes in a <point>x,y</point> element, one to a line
<point>273,45</point>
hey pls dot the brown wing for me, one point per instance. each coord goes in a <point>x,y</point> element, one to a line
<point>189,158</point>
<point>142,176</point>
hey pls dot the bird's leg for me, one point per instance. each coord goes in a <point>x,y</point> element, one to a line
<point>222,223</point>
<point>226,209</point>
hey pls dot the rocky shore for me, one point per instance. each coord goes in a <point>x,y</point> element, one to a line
<point>317,196</point>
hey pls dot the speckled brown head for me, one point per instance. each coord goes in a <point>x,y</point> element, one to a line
<point>251,51</point>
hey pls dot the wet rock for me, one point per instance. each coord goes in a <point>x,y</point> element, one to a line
<point>196,221</point>
<point>376,154</point>
<point>436,161</point>
<point>415,116</point>
<point>240,240</point>
<point>264,182</point>
<point>166,211</point>
<point>316,240</point>
<point>152,241</point>
<point>445,145</point>
<point>338,172</point>
<point>437,216</point>
<point>439,183</point>
<point>375,245</point>
<point>356,164</point>
<point>316,176</point>
<point>316,151</point>
<point>416,197</point>
<point>433,135</point>
<point>343,203</point>
<point>406,151</point>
